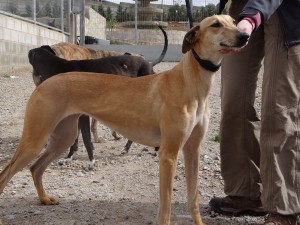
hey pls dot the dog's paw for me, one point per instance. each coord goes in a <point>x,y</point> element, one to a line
<point>115,135</point>
<point>124,151</point>
<point>49,200</point>
<point>64,161</point>
<point>89,166</point>
<point>118,138</point>
<point>99,140</point>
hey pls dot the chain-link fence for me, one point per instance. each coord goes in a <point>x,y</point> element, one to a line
<point>152,10</point>
<point>53,13</point>
<point>128,21</point>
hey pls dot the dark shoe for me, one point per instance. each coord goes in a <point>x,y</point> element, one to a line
<point>277,219</point>
<point>237,206</point>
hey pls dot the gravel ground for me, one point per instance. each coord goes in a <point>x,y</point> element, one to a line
<point>121,190</point>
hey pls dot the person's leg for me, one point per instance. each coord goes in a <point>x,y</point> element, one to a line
<point>239,129</point>
<point>280,132</point>
<point>240,125</point>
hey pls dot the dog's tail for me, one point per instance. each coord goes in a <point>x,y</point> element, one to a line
<point>163,53</point>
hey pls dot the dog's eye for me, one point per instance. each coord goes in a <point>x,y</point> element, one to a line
<point>216,24</point>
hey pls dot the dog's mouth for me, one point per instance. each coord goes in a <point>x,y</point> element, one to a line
<point>241,40</point>
<point>225,45</point>
<point>229,48</point>
<point>238,44</point>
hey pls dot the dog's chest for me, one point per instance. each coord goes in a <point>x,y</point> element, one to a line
<point>202,115</point>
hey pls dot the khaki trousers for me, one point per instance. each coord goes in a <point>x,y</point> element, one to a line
<point>261,158</point>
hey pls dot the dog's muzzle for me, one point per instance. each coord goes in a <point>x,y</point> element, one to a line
<point>242,39</point>
<point>31,56</point>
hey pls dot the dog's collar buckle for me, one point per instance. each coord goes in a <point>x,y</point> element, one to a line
<point>206,64</point>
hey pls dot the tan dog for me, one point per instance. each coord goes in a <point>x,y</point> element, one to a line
<point>169,110</point>
<point>71,51</point>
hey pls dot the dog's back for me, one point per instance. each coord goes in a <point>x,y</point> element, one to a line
<point>46,64</point>
<point>129,65</point>
<point>71,51</point>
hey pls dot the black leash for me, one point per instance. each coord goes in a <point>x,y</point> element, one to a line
<point>222,6</point>
<point>189,12</point>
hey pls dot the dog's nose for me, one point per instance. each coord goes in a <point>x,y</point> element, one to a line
<point>243,37</point>
<point>30,56</point>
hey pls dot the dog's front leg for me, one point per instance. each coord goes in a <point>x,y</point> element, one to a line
<point>168,154</point>
<point>191,161</point>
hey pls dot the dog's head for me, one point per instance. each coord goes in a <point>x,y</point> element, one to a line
<point>36,58</point>
<point>37,53</point>
<point>215,33</point>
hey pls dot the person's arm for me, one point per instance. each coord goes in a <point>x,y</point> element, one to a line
<point>256,12</point>
<point>265,7</point>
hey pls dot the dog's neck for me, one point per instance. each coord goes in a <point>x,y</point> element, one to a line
<point>206,64</point>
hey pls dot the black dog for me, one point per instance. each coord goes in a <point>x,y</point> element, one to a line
<point>46,64</point>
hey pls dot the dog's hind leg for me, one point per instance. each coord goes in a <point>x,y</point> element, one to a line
<point>191,151</point>
<point>61,138</point>
<point>73,149</point>
<point>19,161</point>
<point>26,152</point>
<point>98,139</point>
<point>115,135</point>
<point>94,130</point>
<point>127,146</point>
<point>84,124</point>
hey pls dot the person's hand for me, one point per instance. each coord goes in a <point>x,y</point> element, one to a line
<point>246,26</point>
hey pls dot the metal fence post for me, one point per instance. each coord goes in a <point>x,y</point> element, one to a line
<point>135,23</point>
<point>72,22</point>
<point>68,22</point>
<point>82,22</point>
<point>62,14</point>
<point>34,10</point>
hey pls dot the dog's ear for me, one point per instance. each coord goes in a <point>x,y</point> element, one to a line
<point>189,39</point>
<point>48,48</point>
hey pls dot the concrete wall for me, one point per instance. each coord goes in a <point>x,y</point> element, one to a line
<point>95,24</point>
<point>145,36</point>
<point>18,36</point>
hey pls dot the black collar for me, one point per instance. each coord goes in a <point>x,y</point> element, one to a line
<point>206,64</point>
